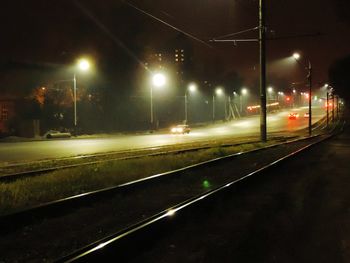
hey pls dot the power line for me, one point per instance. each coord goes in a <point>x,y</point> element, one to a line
<point>167,24</point>
<point>237,33</point>
<point>109,33</point>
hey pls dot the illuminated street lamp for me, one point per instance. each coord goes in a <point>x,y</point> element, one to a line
<point>191,88</point>
<point>270,92</point>
<point>294,96</point>
<point>158,80</point>
<point>82,65</point>
<point>296,56</point>
<point>218,92</point>
<point>330,96</point>
<point>244,92</point>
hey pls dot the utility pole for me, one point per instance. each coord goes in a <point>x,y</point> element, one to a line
<point>186,110</point>
<point>75,104</point>
<point>338,107</point>
<point>327,105</point>
<point>262,61</point>
<point>213,108</point>
<point>333,107</point>
<point>262,51</point>
<point>310,97</point>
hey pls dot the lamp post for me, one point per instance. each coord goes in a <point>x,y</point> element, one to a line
<point>75,101</point>
<point>191,88</point>
<point>294,97</point>
<point>158,80</point>
<point>309,77</point>
<point>270,92</point>
<point>244,91</point>
<point>83,65</point>
<point>219,92</point>
<point>330,96</point>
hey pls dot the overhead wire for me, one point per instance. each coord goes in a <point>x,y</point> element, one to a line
<point>109,33</point>
<point>237,33</point>
<point>167,24</point>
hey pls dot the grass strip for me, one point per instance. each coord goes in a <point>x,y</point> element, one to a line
<point>59,184</point>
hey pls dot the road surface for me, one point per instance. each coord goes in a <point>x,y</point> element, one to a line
<point>57,148</point>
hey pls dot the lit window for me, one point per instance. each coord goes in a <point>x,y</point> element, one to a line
<point>176,59</point>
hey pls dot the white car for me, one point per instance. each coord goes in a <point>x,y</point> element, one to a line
<point>180,129</point>
<point>56,134</point>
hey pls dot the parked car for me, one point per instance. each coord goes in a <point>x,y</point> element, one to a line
<point>180,129</point>
<point>56,134</point>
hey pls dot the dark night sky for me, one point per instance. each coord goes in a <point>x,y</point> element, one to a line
<point>41,31</point>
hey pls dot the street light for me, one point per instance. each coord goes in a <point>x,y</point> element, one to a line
<point>330,96</point>
<point>270,92</point>
<point>296,56</point>
<point>83,65</point>
<point>158,80</point>
<point>191,88</point>
<point>244,91</point>
<point>218,92</point>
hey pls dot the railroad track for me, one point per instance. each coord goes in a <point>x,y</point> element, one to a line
<point>140,235</point>
<point>129,195</point>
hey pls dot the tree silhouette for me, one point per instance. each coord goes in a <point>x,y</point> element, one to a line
<point>339,76</point>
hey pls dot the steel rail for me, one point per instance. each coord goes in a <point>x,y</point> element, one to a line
<point>129,236</point>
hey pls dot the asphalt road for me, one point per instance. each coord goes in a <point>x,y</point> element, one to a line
<point>56,148</point>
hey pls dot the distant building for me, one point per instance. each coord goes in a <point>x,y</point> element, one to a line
<point>175,55</point>
<point>155,61</point>
<point>180,53</point>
